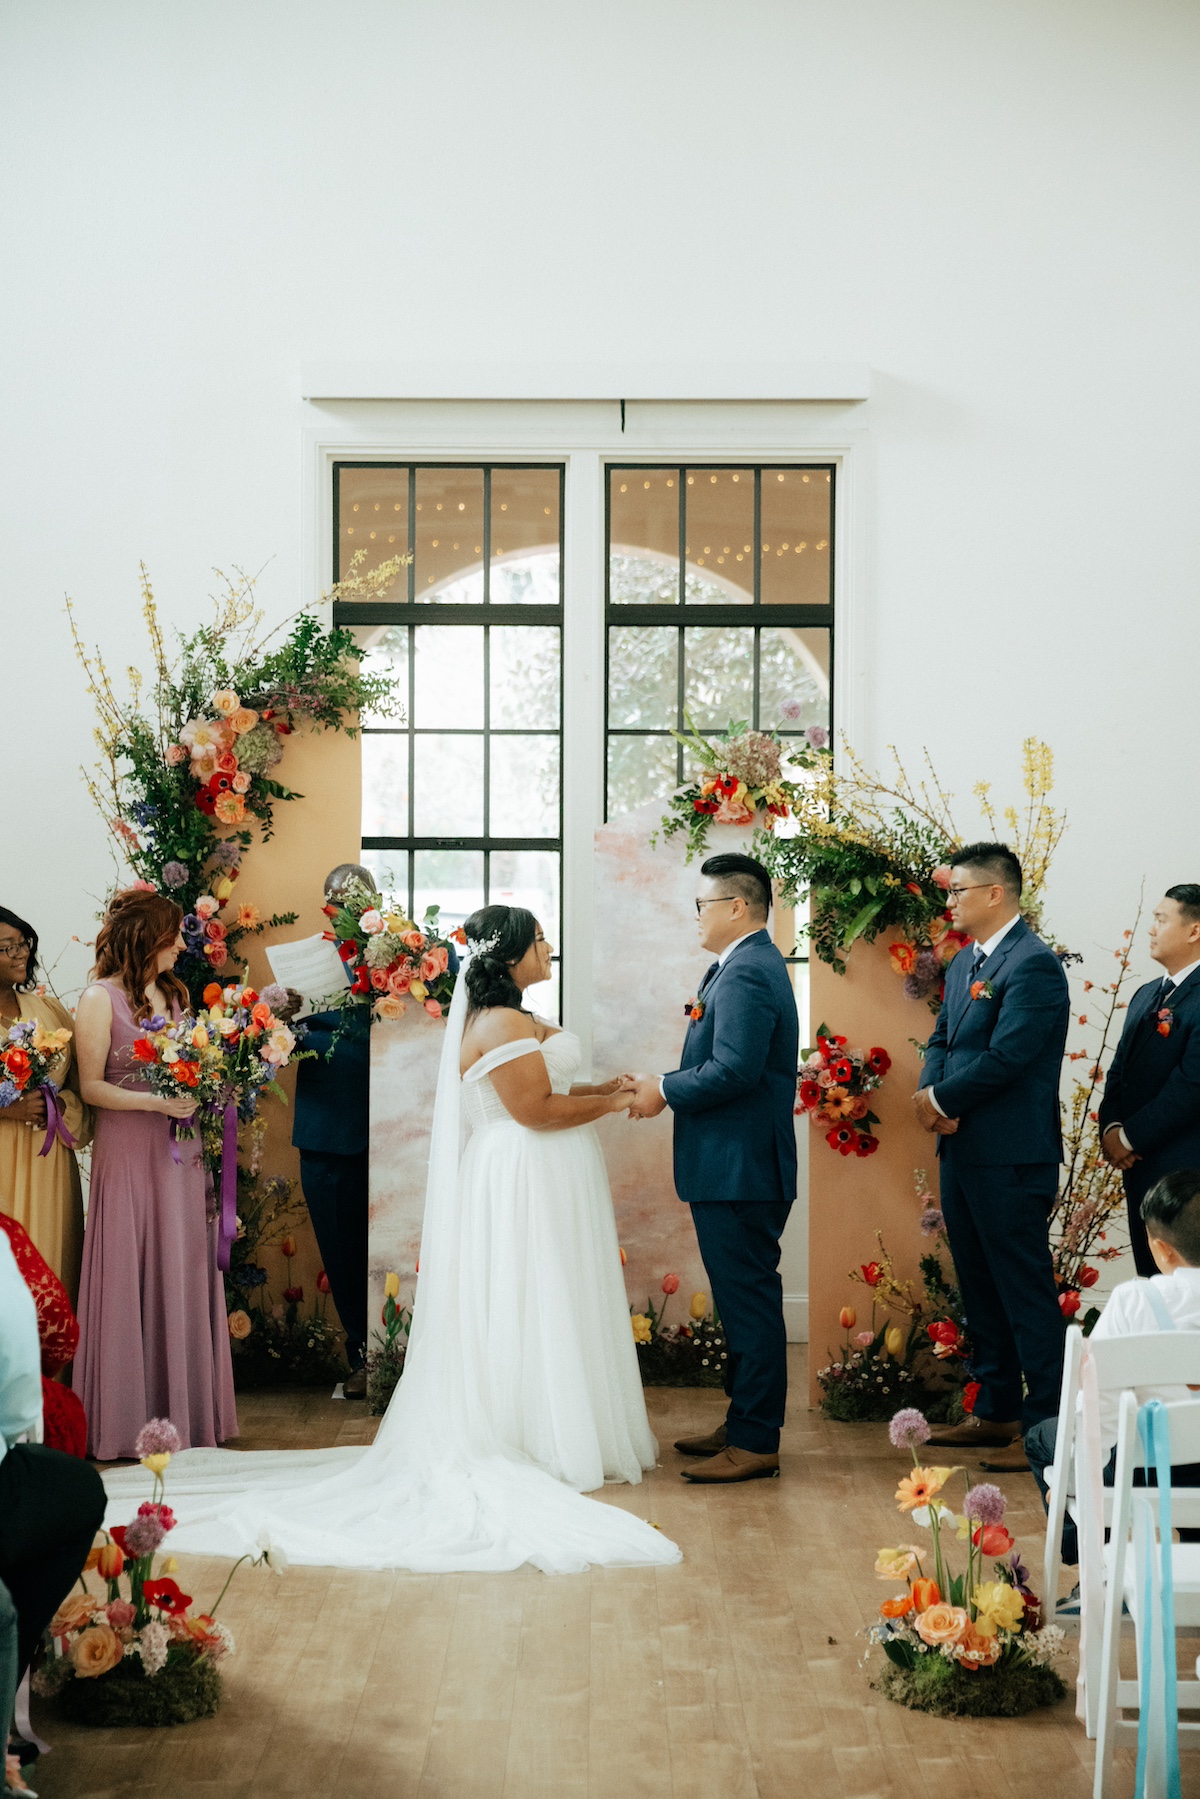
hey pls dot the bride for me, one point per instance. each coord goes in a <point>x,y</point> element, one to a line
<point>521,1389</point>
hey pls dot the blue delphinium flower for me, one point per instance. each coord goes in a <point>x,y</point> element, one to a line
<point>8,1093</point>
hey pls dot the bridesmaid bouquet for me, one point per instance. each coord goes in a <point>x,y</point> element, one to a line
<point>138,1654</point>
<point>224,1055</point>
<point>29,1054</point>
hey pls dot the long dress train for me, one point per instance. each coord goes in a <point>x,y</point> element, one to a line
<point>521,1387</point>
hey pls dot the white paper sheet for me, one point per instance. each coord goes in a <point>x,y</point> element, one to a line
<point>310,965</point>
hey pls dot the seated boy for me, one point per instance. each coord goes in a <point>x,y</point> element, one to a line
<point>1171,1212</point>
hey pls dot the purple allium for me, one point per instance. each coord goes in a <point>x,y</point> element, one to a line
<point>143,1537</point>
<point>932,1222</point>
<point>226,854</point>
<point>984,1504</point>
<point>908,1428</point>
<point>273,995</point>
<point>174,874</point>
<point>818,736</point>
<point>791,710</point>
<point>157,1437</point>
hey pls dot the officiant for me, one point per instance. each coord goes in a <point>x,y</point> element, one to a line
<point>331,1129</point>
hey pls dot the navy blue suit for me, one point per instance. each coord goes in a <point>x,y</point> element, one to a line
<point>994,1062</point>
<point>734,1097</point>
<point>330,1129</point>
<point>1153,1093</point>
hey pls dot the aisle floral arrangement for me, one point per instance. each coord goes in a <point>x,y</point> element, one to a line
<point>916,1353</point>
<point>744,778</point>
<point>187,768</point>
<point>138,1656</point>
<point>28,1061</point>
<point>389,958</point>
<point>276,1341</point>
<point>385,1357</point>
<point>968,1644</point>
<point>692,1353</point>
<point>832,1091</point>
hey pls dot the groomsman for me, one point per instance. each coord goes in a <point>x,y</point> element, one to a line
<point>990,1092</point>
<point>1150,1114</point>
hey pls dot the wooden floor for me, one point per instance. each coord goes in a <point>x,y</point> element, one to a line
<point>735,1674</point>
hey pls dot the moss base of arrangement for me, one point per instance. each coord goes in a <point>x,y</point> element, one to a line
<point>178,1694</point>
<point>936,1685</point>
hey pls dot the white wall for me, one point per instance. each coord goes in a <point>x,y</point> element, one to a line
<point>991,203</point>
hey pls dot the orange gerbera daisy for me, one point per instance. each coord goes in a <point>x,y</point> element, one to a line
<point>919,1487</point>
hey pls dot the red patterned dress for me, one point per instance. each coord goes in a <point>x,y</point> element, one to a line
<point>64,1425</point>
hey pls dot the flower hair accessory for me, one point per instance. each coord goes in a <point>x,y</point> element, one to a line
<point>484,946</point>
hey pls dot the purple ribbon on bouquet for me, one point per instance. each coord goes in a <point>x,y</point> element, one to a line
<point>173,1138</point>
<point>56,1124</point>
<point>227,1221</point>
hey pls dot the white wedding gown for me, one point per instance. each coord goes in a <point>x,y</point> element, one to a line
<point>521,1389</point>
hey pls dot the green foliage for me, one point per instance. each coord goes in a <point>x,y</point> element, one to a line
<point>930,1683</point>
<point>385,1361</point>
<point>187,1688</point>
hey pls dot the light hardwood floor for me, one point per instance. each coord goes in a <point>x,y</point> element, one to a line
<point>734,1675</point>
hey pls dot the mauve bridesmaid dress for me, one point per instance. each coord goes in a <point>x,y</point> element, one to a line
<point>154,1342</point>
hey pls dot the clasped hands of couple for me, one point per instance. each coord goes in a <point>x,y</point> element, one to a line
<point>640,1094</point>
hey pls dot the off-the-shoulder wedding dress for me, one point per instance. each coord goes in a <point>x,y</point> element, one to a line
<point>521,1390</point>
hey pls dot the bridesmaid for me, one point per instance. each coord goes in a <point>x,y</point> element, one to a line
<point>154,1342</point>
<point>40,1192</point>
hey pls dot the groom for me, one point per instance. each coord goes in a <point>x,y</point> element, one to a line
<point>733,1097</point>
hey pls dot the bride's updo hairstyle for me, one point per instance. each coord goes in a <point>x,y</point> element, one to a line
<point>507,932</point>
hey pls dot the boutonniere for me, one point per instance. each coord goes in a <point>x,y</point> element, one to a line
<point>982,990</point>
<point>693,1009</point>
<point>1164,1022</point>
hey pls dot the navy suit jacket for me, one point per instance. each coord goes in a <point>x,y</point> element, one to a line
<point>333,1093</point>
<point>734,1094</point>
<point>1153,1086</point>
<point>996,1062</point>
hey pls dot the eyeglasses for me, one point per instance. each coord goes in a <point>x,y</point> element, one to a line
<point>14,950</point>
<point>718,901</point>
<point>957,892</point>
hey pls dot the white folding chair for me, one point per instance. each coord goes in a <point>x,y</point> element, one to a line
<point>1151,1359</point>
<point>1126,1586</point>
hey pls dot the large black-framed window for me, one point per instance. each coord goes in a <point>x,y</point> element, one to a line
<point>718,607</point>
<point>462,797</point>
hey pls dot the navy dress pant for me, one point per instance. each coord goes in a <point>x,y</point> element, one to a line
<point>335,1191</point>
<point>740,1248</point>
<point>997,1220</point>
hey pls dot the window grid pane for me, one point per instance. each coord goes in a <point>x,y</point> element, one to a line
<point>429,810</point>
<point>743,604</point>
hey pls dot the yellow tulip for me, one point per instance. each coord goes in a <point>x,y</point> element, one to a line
<point>156,1463</point>
<point>699,1306</point>
<point>894,1340</point>
<point>391,1285</point>
<point>223,889</point>
<point>419,990</point>
<point>170,1566</point>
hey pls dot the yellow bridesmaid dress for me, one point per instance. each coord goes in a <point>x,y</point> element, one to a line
<point>44,1192</point>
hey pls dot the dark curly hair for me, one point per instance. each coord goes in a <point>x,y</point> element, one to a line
<point>489,973</point>
<point>31,938</point>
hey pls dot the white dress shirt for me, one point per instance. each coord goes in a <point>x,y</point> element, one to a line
<point>728,950</point>
<point>1127,1312</point>
<point>20,1355</point>
<point>1178,979</point>
<point>992,943</point>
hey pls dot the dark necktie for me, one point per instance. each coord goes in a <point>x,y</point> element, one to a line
<point>709,973</point>
<point>977,960</point>
<point>1164,993</point>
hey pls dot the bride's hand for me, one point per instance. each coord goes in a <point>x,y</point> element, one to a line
<point>620,1083</point>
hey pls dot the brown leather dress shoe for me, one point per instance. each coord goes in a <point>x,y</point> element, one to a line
<point>355,1385</point>
<point>733,1464</point>
<point>975,1433</point>
<point>705,1446</point>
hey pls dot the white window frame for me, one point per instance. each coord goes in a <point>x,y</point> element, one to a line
<point>585,437</point>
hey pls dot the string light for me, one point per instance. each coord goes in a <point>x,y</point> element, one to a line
<point>356,505</point>
<point>670,481</point>
<point>645,484</point>
<point>624,487</point>
<point>349,530</point>
<point>462,505</point>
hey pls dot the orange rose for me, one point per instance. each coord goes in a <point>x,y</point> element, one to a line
<point>942,1624</point>
<point>95,1651</point>
<point>243,720</point>
<point>389,1005</point>
<point>431,968</point>
<point>240,1325</point>
<point>976,1651</point>
<point>73,1613</point>
<point>413,939</point>
<point>226,702</point>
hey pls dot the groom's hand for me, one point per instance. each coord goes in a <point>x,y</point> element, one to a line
<point>646,1099</point>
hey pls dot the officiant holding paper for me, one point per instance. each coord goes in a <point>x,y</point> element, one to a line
<point>331,1130</point>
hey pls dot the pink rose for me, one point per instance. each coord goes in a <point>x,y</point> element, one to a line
<point>241,782</point>
<point>442,956</point>
<point>942,876</point>
<point>120,1614</point>
<point>176,755</point>
<point>399,981</point>
<point>143,887</point>
<point>430,968</point>
<point>433,1009</point>
<point>379,980</point>
<point>734,812</point>
<point>214,930</point>
<point>372,921</point>
<point>216,954</point>
<point>206,906</point>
